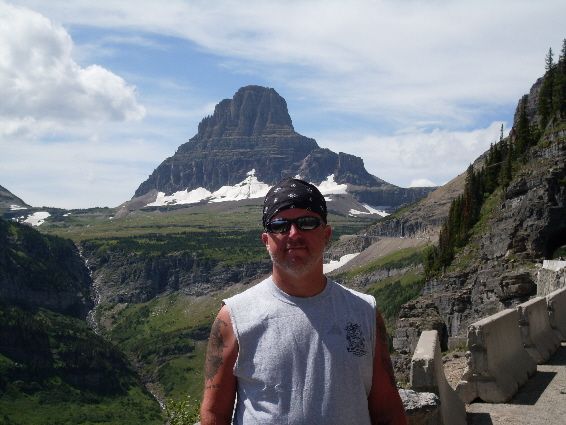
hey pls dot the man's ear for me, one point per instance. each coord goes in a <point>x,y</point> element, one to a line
<point>264,238</point>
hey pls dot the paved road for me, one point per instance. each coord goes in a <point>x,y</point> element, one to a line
<point>542,400</point>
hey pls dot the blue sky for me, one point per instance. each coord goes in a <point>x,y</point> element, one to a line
<point>97,94</point>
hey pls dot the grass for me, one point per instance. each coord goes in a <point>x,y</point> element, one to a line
<point>391,293</point>
<point>230,248</point>
<point>166,337</point>
<point>399,259</point>
<point>487,212</point>
<point>193,220</point>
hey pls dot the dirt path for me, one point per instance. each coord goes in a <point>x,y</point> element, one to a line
<point>542,400</point>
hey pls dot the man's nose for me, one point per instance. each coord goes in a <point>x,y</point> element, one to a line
<point>294,230</point>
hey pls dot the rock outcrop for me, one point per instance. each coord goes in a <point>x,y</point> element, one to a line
<point>126,277</point>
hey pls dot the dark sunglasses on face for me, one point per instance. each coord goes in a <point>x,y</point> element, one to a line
<point>283,225</point>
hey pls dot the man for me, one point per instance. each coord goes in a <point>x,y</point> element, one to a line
<point>298,348</point>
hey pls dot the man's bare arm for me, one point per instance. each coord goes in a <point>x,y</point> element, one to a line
<point>384,403</point>
<point>219,380</point>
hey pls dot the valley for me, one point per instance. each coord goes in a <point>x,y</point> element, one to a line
<point>160,274</point>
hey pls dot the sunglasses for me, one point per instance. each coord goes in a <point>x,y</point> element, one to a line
<point>283,225</point>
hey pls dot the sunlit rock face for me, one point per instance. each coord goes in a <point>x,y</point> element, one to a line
<point>252,136</point>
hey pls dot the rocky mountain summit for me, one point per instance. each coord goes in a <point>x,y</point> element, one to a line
<point>253,133</point>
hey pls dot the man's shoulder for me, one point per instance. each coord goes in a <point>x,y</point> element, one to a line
<point>353,295</point>
<point>258,290</point>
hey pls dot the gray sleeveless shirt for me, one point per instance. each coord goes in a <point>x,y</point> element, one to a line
<point>305,361</point>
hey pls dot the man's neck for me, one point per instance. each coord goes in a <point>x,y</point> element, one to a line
<point>307,285</point>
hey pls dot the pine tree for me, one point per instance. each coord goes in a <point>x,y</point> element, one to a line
<point>549,60</point>
<point>546,95</point>
<point>506,173</point>
<point>559,99</point>
<point>523,130</point>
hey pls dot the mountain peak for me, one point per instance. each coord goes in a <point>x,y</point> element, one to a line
<point>253,131</point>
<point>253,111</point>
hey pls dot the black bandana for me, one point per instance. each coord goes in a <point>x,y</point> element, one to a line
<point>293,193</point>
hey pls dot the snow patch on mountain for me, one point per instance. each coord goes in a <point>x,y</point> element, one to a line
<point>37,218</point>
<point>181,197</point>
<point>249,188</point>
<point>334,264</point>
<point>369,210</point>
<point>330,187</point>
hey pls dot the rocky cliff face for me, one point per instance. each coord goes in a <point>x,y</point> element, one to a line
<point>42,271</point>
<point>253,131</point>
<point>126,277</point>
<point>522,224</point>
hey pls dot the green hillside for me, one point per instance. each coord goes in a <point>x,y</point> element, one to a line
<point>53,368</point>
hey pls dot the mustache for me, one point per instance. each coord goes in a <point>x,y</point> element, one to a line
<point>295,244</point>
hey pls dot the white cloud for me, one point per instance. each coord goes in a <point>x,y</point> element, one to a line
<point>420,75</point>
<point>79,173</point>
<point>395,60</point>
<point>41,83</point>
<point>414,155</point>
<point>422,183</point>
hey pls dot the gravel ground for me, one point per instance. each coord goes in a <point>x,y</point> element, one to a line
<point>542,400</point>
<point>454,367</point>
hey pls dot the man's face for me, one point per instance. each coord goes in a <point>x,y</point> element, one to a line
<point>298,251</point>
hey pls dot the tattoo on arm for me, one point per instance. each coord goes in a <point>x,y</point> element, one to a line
<point>212,387</point>
<point>214,351</point>
<point>385,359</point>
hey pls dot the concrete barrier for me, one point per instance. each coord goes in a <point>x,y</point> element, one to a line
<point>497,362</point>
<point>427,375</point>
<point>557,311</point>
<point>539,339</point>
